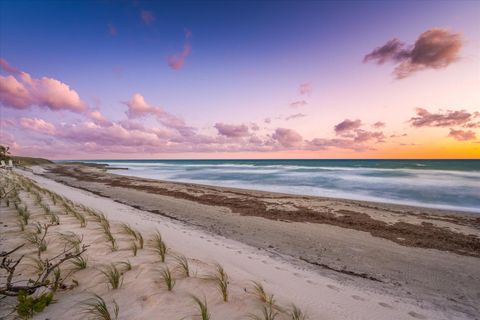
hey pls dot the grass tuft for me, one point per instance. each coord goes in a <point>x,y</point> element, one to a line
<point>220,278</point>
<point>134,248</point>
<point>128,230</point>
<point>160,246</point>
<point>72,239</point>
<point>79,263</point>
<point>268,313</point>
<point>182,265</point>
<point>96,308</point>
<point>168,278</point>
<point>113,276</point>
<point>126,264</point>
<point>296,313</point>
<point>260,292</point>
<point>105,224</point>
<point>202,308</point>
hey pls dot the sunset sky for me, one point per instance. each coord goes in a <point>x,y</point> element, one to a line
<point>150,79</point>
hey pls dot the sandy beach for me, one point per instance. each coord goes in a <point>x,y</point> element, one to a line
<point>342,265</point>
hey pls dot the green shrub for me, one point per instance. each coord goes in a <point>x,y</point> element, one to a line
<point>28,306</point>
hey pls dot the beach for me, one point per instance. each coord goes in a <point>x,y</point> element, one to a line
<point>338,259</point>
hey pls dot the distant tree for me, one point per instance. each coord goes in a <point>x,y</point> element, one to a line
<point>4,153</point>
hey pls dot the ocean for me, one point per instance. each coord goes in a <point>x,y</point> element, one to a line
<point>447,184</point>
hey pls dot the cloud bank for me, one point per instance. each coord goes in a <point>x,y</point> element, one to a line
<point>19,90</point>
<point>434,49</point>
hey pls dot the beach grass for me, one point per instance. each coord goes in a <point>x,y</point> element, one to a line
<point>267,313</point>
<point>220,279</point>
<point>167,278</point>
<point>160,246</point>
<point>113,276</point>
<point>96,309</point>
<point>182,265</point>
<point>295,313</point>
<point>202,306</point>
<point>79,263</point>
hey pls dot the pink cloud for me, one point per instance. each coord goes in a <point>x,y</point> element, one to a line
<point>4,65</point>
<point>433,49</point>
<point>288,138</point>
<point>22,92</point>
<point>13,93</point>
<point>97,117</point>
<point>305,88</point>
<point>450,118</point>
<point>176,61</point>
<point>138,107</point>
<point>365,136</point>
<point>38,125</point>
<point>231,130</point>
<point>462,135</point>
<point>346,126</point>
<point>295,116</point>
<point>378,125</point>
<point>148,17</point>
<point>299,103</point>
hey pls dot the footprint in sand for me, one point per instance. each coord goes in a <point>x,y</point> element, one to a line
<point>333,287</point>
<point>385,305</point>
<point>358,298</point>
<point>416,315</point>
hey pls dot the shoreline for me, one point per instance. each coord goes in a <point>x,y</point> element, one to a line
<point>321,296</point>
<point>435,209</point>
<point>442,278</point>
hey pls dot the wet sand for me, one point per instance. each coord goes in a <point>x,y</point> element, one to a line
<point>428,255</point>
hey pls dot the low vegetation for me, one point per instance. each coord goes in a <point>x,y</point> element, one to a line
<point>36,271</point>
<point>96,308</point>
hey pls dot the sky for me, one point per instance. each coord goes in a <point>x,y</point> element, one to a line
<point>240,79</point>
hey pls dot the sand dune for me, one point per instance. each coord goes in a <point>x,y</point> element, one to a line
<point>143,293</point>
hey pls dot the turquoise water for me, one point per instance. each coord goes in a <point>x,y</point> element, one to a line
<point>449,184</point>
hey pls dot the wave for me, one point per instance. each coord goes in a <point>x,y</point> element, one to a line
<point>446,188</point>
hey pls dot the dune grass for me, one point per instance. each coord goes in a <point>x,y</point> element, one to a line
<point>267,313</point>
<point>72,239</point>
<point>295,313</point>
<point>160,246</point>
<point>134,248</point>
<point>202,306</point>
<point>261,294</point>
<point>140,240</point>
<point>23,213</point>
<point>79,263</point>
<point>38,227</point>
<point>128,230</point>
<point>220,279</point>
<point>80,217</point>
<point>105,224</point>
<point>35,239</point>
<point>167,278</point>
<point>113,276</point>
<point>54,219</point>
<point>96,309</point>
<point>182,265</point>
<point>126,264</point>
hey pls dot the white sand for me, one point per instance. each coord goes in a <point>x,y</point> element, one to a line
<point>321,297</point>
